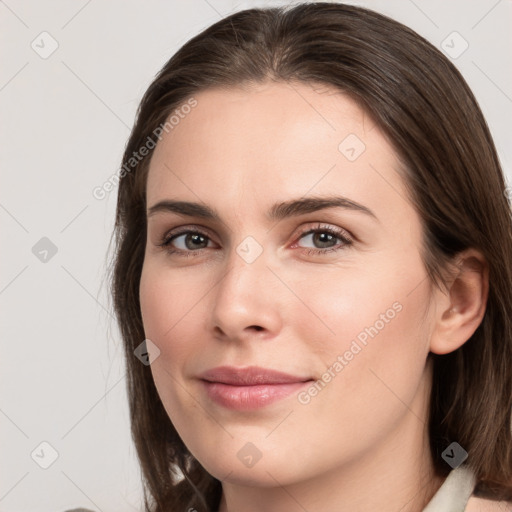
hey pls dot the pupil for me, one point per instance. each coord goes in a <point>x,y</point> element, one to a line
<point>195,238</point>
<point>325,236</point>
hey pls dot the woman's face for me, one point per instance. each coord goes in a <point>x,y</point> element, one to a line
<point>343,308</point>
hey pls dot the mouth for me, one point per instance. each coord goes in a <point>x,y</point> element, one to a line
<point>250,388</point>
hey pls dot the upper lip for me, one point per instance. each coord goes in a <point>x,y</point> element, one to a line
<point>249,376</point>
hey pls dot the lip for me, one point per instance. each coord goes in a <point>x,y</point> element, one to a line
<point>249,376</point>
<point>251,387</point>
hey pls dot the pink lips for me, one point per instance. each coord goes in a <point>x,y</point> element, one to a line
<point>249,388</point>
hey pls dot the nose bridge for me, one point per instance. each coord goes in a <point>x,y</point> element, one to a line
<point>244,298</point>
<point>246,275</point>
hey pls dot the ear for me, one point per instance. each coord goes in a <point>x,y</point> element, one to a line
<point>460,310</point>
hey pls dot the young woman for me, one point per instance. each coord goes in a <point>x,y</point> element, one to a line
<point>313,273</point>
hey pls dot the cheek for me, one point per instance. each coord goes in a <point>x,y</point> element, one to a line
<point>167,306</point>
<point>167,295</point>
<point>386,296</point>
<point>368,332</point>
<point>174,315</point>
<point>169,312</point>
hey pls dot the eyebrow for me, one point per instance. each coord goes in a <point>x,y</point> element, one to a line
<point>277,212</point>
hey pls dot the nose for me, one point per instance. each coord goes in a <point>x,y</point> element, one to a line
<point>247,301</point>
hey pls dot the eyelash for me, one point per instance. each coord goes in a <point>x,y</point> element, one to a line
<point>320,228</point>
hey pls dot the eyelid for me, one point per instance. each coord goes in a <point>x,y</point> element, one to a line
<point>322,226</point>
<point>180,230</point>
<point>187,228</point>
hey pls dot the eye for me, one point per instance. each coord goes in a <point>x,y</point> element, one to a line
<point>326,236</point>
<point>191,244</point>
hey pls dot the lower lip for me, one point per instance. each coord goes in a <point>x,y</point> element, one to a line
<point>246,398</point>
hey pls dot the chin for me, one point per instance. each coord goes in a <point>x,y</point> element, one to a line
<point>267,471</point>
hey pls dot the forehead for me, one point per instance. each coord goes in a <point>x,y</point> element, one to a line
<point>272,140</point>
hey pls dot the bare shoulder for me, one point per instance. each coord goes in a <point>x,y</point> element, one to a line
<point>484,505</point>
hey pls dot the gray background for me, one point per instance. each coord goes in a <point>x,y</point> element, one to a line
<point>66,118</point>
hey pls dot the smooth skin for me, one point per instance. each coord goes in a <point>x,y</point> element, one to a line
<point>361,443</point>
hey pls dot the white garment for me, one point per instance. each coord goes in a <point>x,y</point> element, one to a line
<point>455,492</point>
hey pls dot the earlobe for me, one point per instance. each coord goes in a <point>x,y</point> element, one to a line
<point>461,310</point>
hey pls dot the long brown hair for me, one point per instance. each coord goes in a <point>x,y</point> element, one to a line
<point>424,106</point>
